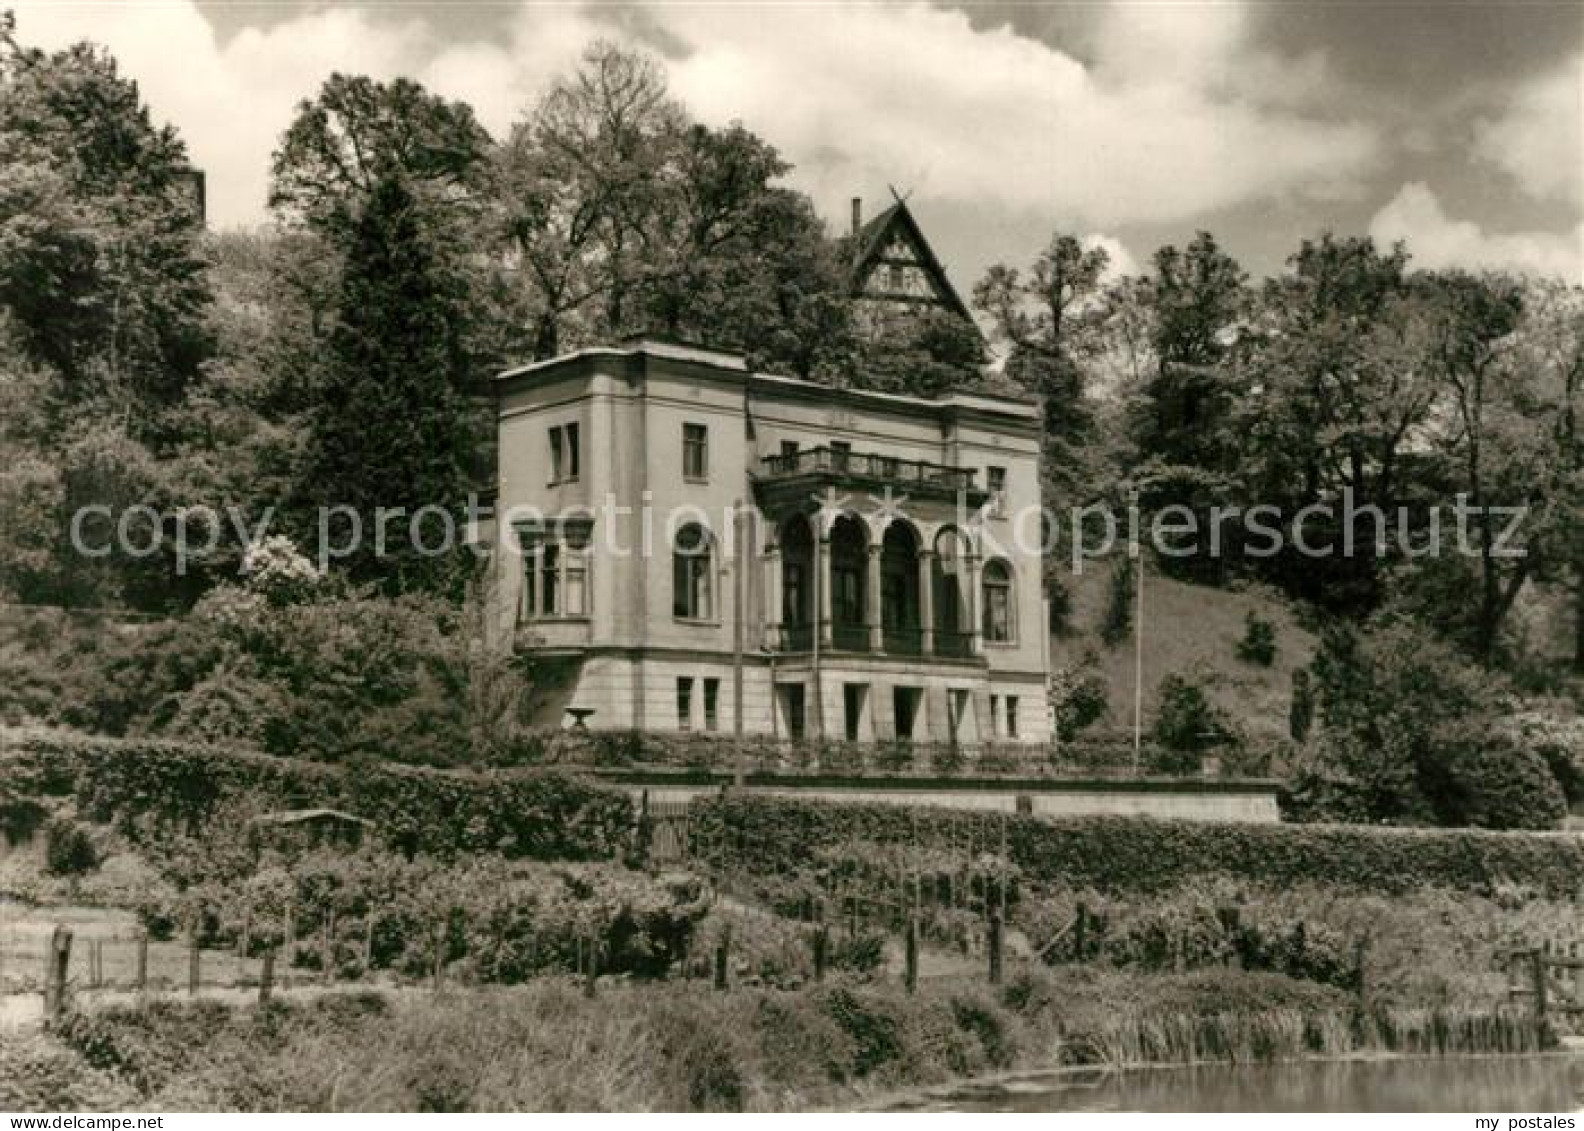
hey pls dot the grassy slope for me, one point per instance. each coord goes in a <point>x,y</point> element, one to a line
<point>1188,628</point>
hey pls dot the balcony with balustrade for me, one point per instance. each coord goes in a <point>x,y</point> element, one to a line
<point>796,474</point>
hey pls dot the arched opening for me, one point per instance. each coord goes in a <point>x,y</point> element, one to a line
<point>999,624</point>
<point>899,589</point>
<point>693,574</point>
<point>849,549</point>
<point>797,584</point>
<point>949,576</point>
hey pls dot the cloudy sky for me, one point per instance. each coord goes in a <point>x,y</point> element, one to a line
<point>1452,125</point>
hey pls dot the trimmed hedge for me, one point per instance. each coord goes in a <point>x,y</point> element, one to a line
<point>776,835</point>
<point>146,786</point>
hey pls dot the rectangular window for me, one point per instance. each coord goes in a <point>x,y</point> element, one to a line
<point>789,448</point>
<point>550,579</point>
<point>575,588</point>
<point>840,451</point>
<point>995,479</point>
<point>712,704</point>
<point>997,724</point>
<point>695,451</point>
<point>564,453</point>
<point>685,702</point>
<point>530,587</point>
<point>1011,716</point>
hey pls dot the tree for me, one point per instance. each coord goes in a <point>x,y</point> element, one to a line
<point>619,215</point>
<point>1053,322</point>
<point>927,353</point>
<point>392,428</point>
<point>1492,446</point>
<point>100,266</point>
<point>1183,417</point>
<point>358,133</point>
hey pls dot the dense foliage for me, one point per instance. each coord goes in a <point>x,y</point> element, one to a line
<point>150,788</point>
<point>1135,854</point>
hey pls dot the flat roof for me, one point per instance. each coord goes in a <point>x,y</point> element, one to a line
<point>736,364</point>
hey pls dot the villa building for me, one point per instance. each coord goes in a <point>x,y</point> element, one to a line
<point>687,545</point>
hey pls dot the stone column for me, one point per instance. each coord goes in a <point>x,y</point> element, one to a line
<point>773,598</point>
<point>970,603</point>
<point>872,616</point>
<point>823,580</point>
<point>926,601</point>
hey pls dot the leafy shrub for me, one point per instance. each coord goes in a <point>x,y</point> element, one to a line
<point>1492,780</point>
<point>1395,702</point>
<point>876,1031</point>
<point>1258,645</point>
<point>1188,724</point>
<point>68,849</point>
<point>1079,697</point>
<point>1559,739</point>
<point>863,953</point>
<point>1118,617</point>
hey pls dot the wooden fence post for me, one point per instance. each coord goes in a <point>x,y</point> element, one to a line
<point>1232,926</point>
<point>56,962</point>
<point>327,954</point>
<point>1578,975</point>
<point>267,976</point>
<point>1081,934</point>
<point>438,940</point>
<point>910,974</point>
<point>821,951</point>
<point>1361,972</point>
<point>1537,980</point>
<point>995,948</point>
<point>142,961</point>
<point>192,962</point>
<point>593,968</point>
<point>722,955</point>
<point>289,946</point>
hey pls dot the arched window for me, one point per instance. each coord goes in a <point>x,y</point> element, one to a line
<point>693,574</point>
<point>998,620</point>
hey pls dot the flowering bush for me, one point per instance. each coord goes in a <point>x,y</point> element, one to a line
<point>277,571</point>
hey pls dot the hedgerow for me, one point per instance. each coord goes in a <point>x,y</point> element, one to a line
<point>775,835</point>
<point>148,788</point>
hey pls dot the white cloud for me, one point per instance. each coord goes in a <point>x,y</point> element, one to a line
<point>914,95</point>
<point>1538,138</point>
<point>855,95</point>
<point>231,102</point>
<point>1120,262</point>
<point>1436,240</point>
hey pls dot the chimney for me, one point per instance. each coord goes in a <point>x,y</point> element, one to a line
<point>857,205</point>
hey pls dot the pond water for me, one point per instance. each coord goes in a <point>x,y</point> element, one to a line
<point>1514,1083</point>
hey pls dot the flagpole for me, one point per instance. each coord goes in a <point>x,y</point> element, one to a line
<point>1138,655</point>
